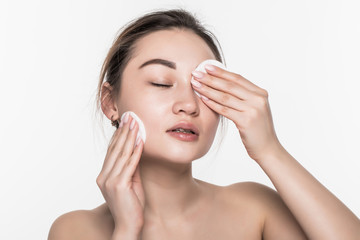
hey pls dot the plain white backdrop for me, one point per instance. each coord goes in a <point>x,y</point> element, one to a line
<point>305,53</point>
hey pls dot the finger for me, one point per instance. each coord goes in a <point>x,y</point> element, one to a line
<point>226,111</point>
<point>222,73</point>
<point>136,176</point>
<point>222,98</point>
<point>132,164</point>
<point>123,133</point>
<point>126,152</point>
<point>224,85</point>
<point>131,141</point>
<point>107,164</point>
<point>115,135</point>
<point>115,148</point>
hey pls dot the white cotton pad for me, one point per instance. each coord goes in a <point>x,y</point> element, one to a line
<point>201,67</point>
<point>141,132</point>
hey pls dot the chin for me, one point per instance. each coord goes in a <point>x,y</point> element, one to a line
<point>173,154</point>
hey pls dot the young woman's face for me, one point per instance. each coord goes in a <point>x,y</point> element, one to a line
<point>161,108</point>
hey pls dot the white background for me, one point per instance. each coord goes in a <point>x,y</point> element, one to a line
<point>305,53</point>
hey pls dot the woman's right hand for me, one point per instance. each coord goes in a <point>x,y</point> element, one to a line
<point>119,179</point>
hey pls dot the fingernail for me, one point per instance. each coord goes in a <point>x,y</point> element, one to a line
<point>197,74</point>
<point>132,124</point>
<point>209,67</point>
<point>195,83</point>
<point>126,118</point>
<point>121,124</point>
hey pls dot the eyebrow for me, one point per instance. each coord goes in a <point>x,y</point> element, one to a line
<point>164,62</point>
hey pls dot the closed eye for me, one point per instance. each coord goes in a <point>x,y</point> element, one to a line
<point>161,85</point>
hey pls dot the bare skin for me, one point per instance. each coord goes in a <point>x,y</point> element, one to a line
<point>237,211</point>
<point>150,192</point>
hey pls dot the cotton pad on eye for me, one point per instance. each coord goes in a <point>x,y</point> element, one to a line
<point>201,67</point>
<point>141,132</point>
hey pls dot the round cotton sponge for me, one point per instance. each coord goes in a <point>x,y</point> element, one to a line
<point>201,67</point>
<point>141,132</point>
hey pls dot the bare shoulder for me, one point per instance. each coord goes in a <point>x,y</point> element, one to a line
<point>240,192</point>
<point>256,192</point>
<point>260,198</point>
<point>82,224</point>
<point>251,194</point>
<point>277,220</point>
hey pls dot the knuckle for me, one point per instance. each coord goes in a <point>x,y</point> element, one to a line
<point>228,86</point>
<point>108,185</point>
<point>225,98</point>
<point>265,93</point>
<point>113,185</point>
<point>123,154</point>
<point>261,100</point>
<point>101,178</point>
<point>224,110</point>
<point>99,181</point>
<point>128,163</point>
<point>119,186</point>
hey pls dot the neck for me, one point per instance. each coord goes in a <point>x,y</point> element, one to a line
<point>170,190</point>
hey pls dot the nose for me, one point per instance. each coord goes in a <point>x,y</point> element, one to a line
<point>185,99</point>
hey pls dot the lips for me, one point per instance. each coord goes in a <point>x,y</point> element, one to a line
<point>186,126</point>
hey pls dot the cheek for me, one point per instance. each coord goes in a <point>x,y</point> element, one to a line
<point>145,102</point>
<point>211,128</point>
<point>211,118</point>
<point>152,113</point>
<point>210,122</point>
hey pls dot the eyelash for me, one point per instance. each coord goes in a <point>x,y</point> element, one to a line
<point>161,85</point>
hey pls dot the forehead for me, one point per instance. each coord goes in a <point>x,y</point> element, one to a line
<point>180,46</point>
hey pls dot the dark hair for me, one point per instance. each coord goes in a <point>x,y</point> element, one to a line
<point>123,46</point>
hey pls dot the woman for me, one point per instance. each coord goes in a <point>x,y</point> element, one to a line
<point>149,190</point>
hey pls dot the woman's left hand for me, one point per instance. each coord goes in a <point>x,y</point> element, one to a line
<point>246,104</point>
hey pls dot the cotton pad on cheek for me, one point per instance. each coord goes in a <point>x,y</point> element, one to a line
<point>141,132</point>
<point>201,67</point>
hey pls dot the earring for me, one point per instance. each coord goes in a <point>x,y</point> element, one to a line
<point>114,123</point>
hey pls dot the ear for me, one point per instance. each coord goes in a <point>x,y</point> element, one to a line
<point>108,105</point>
